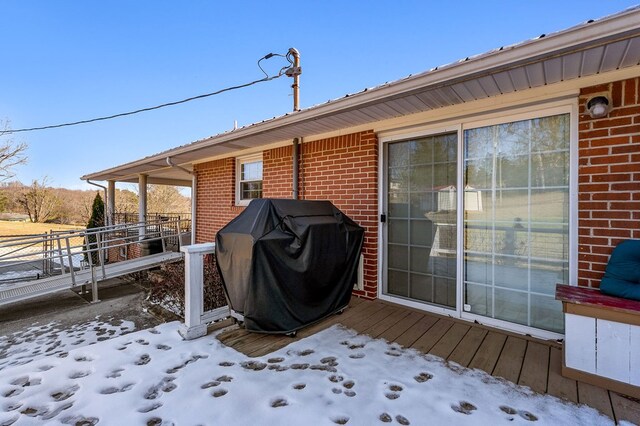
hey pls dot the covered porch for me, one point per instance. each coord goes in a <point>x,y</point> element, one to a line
<point>519,359</point>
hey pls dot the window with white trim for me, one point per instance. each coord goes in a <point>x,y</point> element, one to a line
<point>248,178</point>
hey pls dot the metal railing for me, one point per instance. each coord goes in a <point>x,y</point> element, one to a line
<point>30,257</point>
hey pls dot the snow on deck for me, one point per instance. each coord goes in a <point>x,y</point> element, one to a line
<point>333,377</point>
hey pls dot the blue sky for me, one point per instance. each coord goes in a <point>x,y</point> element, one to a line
<point>72,60</point>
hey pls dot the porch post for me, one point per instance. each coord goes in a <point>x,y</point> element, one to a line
<point>194,289</point>
<point>111,202</point>
<point>142,203</point>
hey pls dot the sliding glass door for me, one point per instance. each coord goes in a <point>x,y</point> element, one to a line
<point>516,220</point>
<point>421,231</point>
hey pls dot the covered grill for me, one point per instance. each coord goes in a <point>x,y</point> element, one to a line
<point>288,263</point>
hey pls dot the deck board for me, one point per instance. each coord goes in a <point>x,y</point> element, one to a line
<point>487,355</point>
<point>465,351</point>
<point>560,386</point>
<point>519,359</point>
<point>511,358</point>
<point>450,340</point>
<point>595,397</point>
<point>535,367</point>
<point>429,339</point>
<point>395,331</point>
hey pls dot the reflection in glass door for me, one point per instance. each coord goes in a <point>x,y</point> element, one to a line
<point>516,220</point>
<point>421,230</point>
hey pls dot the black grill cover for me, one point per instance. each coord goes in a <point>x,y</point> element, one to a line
<point>287,263</point>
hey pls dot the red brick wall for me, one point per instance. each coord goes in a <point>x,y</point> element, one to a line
<point>609,177</point>
<point>215,197</point>
<point>343,170</point>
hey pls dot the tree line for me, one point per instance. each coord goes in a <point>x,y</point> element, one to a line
<point>42,203</point>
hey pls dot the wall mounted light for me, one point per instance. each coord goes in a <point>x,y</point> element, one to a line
<point>598,106</point>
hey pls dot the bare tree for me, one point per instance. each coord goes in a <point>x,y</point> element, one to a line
<point>38,201</point>
<point>12,153</point>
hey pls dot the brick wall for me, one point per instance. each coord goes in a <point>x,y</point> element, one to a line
<point>609,178</point>
<point>343,170</point>
<point>215,197</point>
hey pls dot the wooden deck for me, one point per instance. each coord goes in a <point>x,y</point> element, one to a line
<point>519,359</point>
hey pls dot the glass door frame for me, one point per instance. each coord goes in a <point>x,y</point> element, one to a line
<point>548,108</point>
<point>383,228</point>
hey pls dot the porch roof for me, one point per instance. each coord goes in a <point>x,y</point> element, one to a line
<point>588,49</point>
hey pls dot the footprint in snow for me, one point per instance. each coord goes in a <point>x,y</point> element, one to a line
<point>226,364</point>
<point>79,374</point>
<point>349,384</point>
<point>149,408</point>
<point>153,331</point>
<point>10,420</point>
<point>275,360</point>
<point>279,402</point>
<point>210,385</point>
<point>330,360</point>
<point>341,420</point>
<point>65,393</point>
<point>143,360</point>
<point>12,392</point>
<point>220,392</point>
<point>34,411</point>
<point>392,395</point>
<point>350,393</point>
<point>527,416</point>
<point>385,418</point>
<point>224,379</point>
<point>299,386</point>
<point>165,385</point>
<point>335,379</point>
<point>163,347</point>
<point>154,421</point>
<point>254,365</point>
<point>464,407</point>
<point>13,406</point>
<point>279,368</point>
<point>299,366</point>
<point>26,381</point>
<point>395,388</point>
<point>83,358</point>
<point>115,373</point>
<point>402,420</point>
<point>423,377</point>
<point>142,342</point>
<point>324,367</point>
<point>58,410</point>
<point>337,391</point>
<point>113,389</point>
<point>358,355</point>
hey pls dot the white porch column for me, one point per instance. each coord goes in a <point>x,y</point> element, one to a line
<point>111,202</point>
<point>142,202</point>
<point>194,254</point>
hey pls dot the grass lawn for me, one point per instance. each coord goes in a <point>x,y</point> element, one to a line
<point>22,228</point>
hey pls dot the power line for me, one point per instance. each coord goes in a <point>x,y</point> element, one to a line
<point>206,95</point>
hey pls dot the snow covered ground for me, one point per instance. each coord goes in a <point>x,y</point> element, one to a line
<point>153,377</point>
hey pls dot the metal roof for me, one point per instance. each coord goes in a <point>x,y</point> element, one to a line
<point>588,49</point>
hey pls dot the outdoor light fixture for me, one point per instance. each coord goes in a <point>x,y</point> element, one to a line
<point>598,106</point>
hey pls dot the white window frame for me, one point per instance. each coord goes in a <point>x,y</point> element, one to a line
<point>239,162</point>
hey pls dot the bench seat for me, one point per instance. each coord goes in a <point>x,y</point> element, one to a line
<point>602,339</point>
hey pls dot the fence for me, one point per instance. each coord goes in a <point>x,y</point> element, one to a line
<point>29,257</point>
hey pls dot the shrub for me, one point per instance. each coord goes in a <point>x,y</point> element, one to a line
<point>168,291</point>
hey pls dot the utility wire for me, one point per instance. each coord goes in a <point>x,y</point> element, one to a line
<point>206,95</point>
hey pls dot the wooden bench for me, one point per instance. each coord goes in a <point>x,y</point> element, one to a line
<point>602,339</point>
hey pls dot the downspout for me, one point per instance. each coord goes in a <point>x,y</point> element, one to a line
<point>194,182</point>
<point>296,167</point>
<point>104,188</point>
